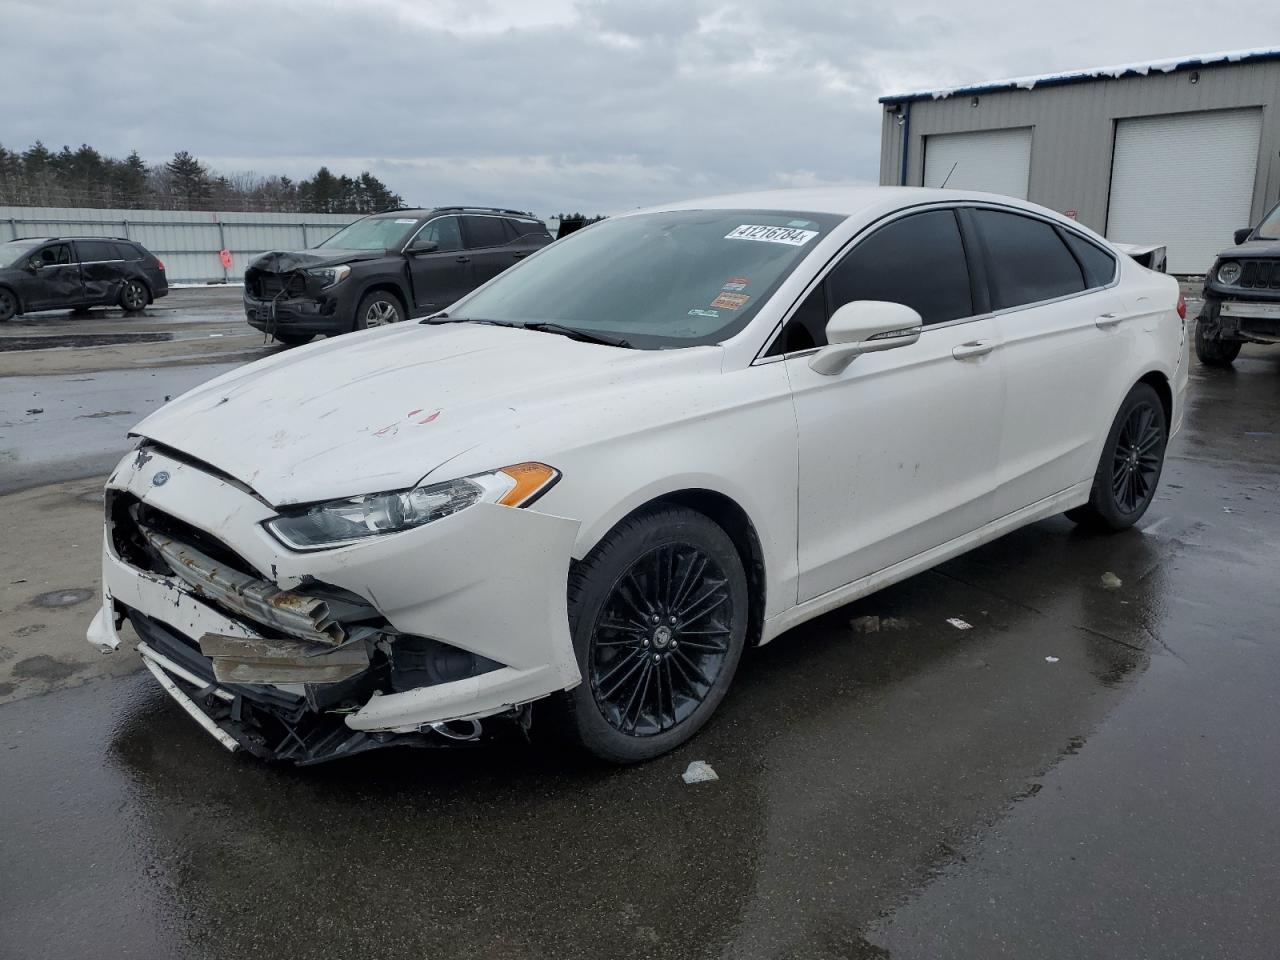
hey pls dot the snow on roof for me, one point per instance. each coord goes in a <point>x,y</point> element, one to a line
<point>1097,73</point>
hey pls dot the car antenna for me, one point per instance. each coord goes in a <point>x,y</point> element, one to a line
<point>949,173</point>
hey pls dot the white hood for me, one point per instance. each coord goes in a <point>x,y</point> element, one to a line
<point>378,411</point>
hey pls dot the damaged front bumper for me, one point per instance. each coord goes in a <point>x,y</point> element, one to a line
<point>307,657</point>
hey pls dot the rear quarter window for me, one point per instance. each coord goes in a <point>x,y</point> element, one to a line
<point>1099,266</point>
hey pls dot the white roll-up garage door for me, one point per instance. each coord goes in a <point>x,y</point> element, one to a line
<point>1184,180</point>
<point>994,161</point>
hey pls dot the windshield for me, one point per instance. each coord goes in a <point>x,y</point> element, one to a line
<point>672,279</point>
<point>373,233</point>
<point>1269,228</point>
<point>15,252</point>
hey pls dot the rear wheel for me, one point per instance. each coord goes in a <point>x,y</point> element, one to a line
<point>133,296</point>
<point>1214,352</point>
<point>1132,459</point>
<point>377,309</point>
<point>8,304</point>
<point>658,614</point>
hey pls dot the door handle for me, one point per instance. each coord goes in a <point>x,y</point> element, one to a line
<point>462,260</point>
<point>973,349</point>
<point>1108,320</point>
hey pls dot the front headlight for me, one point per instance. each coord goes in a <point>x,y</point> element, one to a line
<point>330,276</point>
<point>340,522</point>
<point>1229,273</point>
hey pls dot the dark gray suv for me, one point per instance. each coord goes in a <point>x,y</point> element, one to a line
<point>385,268</point>
<point>51,273</point>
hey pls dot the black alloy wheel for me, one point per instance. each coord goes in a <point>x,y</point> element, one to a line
<point>133,296</point>
<point>1136,459</point>
<point>8,304</point>
<point>658,614</point>
<point>661,640</point>
<point>1129,470</point>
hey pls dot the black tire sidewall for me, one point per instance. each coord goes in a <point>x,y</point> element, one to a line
<point>1102,502</point>
<point>8,305</point>
<point>369,299</point>
<point>1214,352</point>
<point>590,586</point>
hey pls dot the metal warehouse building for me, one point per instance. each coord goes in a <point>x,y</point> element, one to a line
<point>1180,152</point>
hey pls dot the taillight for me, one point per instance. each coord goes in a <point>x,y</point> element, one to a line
<point>1182,306</point>
<point>160,266</point>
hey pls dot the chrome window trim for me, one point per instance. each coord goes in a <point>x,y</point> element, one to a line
<point>924,208</point>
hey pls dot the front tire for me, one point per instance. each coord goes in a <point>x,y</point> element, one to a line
<point>133,297</point>
<point>8,304</point>
<point>377,309</point>
<point>1132,459</point>
<point>1214,352</point>
<point>658,612</point>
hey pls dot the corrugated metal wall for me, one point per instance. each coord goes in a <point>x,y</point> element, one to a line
<point>188,241</point>
<point>1074,129</point>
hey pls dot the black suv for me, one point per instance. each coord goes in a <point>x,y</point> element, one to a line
<point>385,268</point>
<point>51,273</point>
<point>1242,295</point>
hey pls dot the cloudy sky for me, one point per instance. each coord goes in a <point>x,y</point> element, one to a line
<point>600,105</point>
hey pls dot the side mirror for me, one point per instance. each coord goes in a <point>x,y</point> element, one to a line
<point>1242,235</point>
<point>35,265</point>
<point>424,246</point>
<point>865,326</point>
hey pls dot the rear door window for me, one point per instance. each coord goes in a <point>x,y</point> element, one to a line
<point>95,251</point>
<point>484,232</point>
<point>1099,266</point>
<point>1027,262</point>
<point>918,261</point>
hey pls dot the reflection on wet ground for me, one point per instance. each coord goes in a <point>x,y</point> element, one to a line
<point>1088,771</point>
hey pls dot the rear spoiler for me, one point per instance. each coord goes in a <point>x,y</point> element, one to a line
<point>1150,255</point>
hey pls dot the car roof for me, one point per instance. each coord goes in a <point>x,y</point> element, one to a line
<point>47,239</point>
<point>838,200</point>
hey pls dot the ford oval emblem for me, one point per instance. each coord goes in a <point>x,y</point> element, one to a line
<point>160,479</point>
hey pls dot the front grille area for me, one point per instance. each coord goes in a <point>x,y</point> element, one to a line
<point>268,286</point>
<point>125,513</point>
<point>1260,274</point>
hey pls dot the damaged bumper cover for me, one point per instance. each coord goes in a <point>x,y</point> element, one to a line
<point>311,656</point>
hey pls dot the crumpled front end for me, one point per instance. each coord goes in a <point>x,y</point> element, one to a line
<point>413,637</point>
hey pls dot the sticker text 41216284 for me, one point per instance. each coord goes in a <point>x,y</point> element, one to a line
<point>788,235</point>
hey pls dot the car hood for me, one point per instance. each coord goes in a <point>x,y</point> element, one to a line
<point>376,411</point>
<point>1252,248</point>
<point>281,261</point>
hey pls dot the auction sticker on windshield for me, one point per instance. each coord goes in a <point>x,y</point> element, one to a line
<point>788,235</point>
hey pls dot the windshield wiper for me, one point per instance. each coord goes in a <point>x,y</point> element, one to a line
<point>573,333</point>
<point>438,318</point>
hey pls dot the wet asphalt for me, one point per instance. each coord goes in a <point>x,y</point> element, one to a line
<point>1086,772</point>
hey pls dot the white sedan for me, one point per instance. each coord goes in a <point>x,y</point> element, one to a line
<point>573,499</point>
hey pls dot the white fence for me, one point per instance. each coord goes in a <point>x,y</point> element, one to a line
<point>188,241</point>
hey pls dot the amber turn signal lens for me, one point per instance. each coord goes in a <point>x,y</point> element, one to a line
<point>531,479</point>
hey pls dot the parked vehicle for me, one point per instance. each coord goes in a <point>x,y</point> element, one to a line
<point>1242,295</point>
<point>600,476</point>
<point>54,273</point>
<point>384,269</point>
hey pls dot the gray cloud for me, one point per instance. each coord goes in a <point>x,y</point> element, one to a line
<point>597,104</point>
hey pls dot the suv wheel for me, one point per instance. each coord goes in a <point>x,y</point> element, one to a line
<point>8,304</point>
<point>658,615</point>
<point>1214,352</point>
<point>1132,459</point>
<point>133,296</point>
<point>377,309</point>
